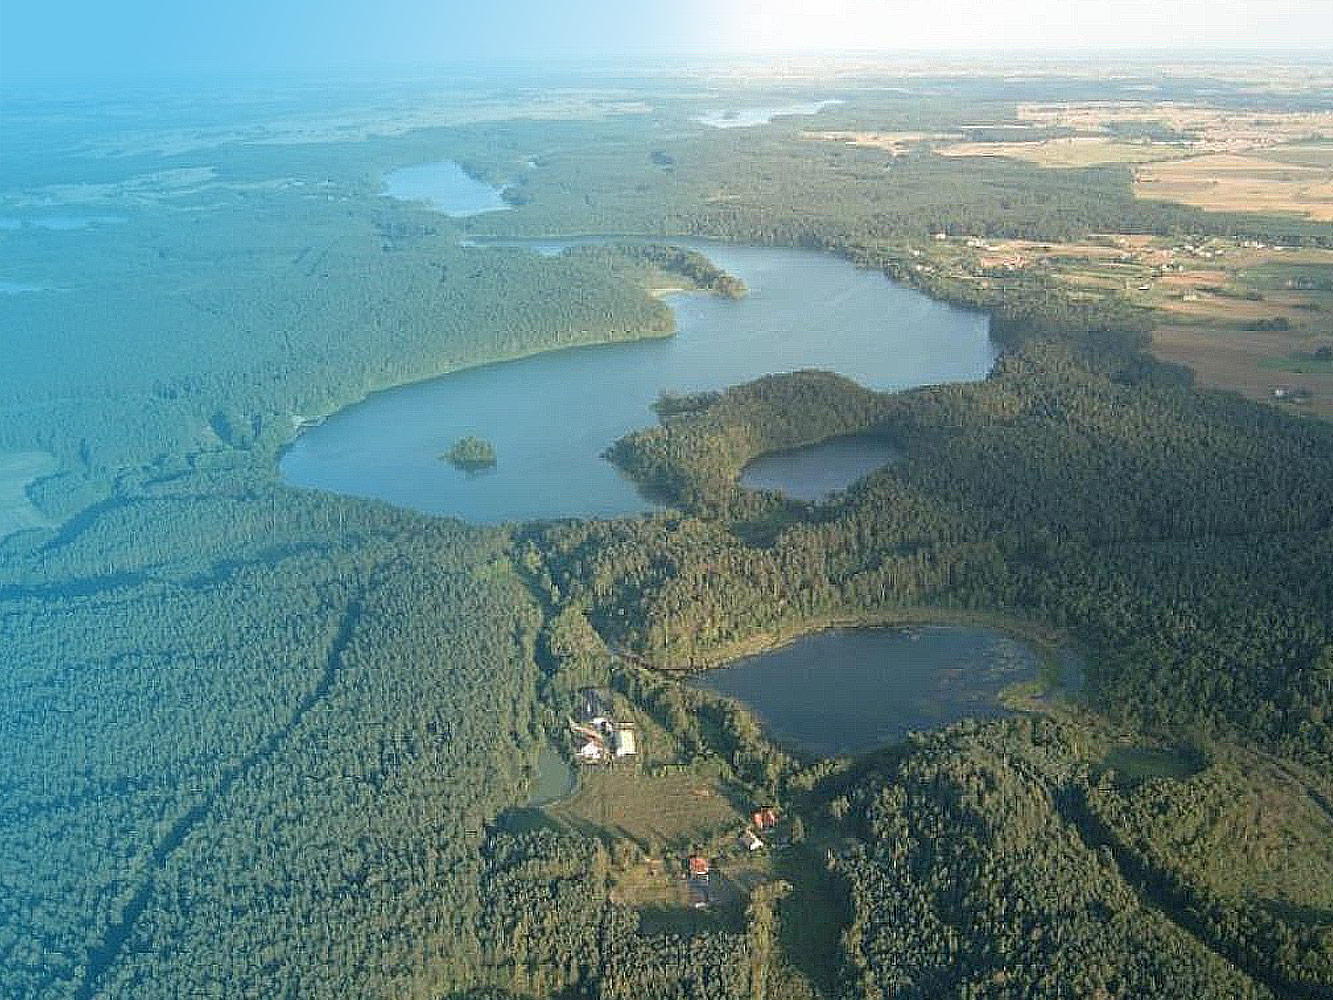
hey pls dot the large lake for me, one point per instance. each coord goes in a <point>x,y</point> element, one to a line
<point>847,691</point>
<point>550,417</point>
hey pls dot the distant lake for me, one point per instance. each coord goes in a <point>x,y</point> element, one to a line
<point>847,691</point>
<point>447,187</point>
<point>806,309</point>
<point>817,471</point>
<point>748,117</point>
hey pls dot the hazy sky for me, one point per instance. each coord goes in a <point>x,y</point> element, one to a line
<point>69,39</point>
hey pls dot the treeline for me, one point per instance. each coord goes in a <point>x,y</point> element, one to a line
<point>181,341</point>
<point>694,267</point>
<point>779,187</point>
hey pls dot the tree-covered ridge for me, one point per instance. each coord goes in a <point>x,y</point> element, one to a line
<point>327,771</point>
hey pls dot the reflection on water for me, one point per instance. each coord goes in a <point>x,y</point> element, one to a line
<point>748,117</point>
<point>817,471</point>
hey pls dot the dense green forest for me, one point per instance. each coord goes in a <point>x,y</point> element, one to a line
<point>256,741</point>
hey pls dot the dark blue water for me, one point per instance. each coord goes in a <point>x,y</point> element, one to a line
<point>847,691</point>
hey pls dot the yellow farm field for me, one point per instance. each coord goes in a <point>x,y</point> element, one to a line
<point>1072,152</point>
<point>1232,183</point>
<point>895,143</point>
<point>1210,130</point>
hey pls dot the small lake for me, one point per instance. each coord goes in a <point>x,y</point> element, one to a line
<point>846,691</point>
<point>749,117</point>
<point>815,472</point>
<point>551,417</point>
<point>447,187</point>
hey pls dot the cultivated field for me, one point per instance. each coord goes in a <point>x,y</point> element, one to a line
<point>1244,316</point>
<point>1067,152</point>
<point>1229,182</point>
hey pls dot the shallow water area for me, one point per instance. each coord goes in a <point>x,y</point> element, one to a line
<point>818,471</point>
<point>550,417</point>
<point>850,690</point>
<point>447,187</point>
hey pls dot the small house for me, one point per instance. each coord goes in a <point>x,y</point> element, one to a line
<point>590,752</point>
<point>764,819</point>
<point>699,867</point>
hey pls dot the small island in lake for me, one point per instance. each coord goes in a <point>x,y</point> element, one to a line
<point>471,454</point>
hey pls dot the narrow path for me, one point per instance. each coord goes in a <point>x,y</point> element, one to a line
<point>107,951</point>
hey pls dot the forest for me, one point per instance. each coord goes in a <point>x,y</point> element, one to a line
<point>259,741</point>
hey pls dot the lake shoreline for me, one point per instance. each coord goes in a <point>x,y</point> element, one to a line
<point>889,338</point>
<point>1047,641</point>
<point>847,691</point>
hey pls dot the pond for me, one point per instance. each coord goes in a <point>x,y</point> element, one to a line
<point>551,417</point>
<point>849,690</point>
<point>816,472</point>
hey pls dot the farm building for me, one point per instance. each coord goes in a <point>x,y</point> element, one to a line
<point>624,739</point>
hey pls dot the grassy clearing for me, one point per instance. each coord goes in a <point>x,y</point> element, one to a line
<point>670,810</point>
<point>1134,765</point>
<point>1248,827</point>
<point>17,470</point>
<point>813,915</point>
